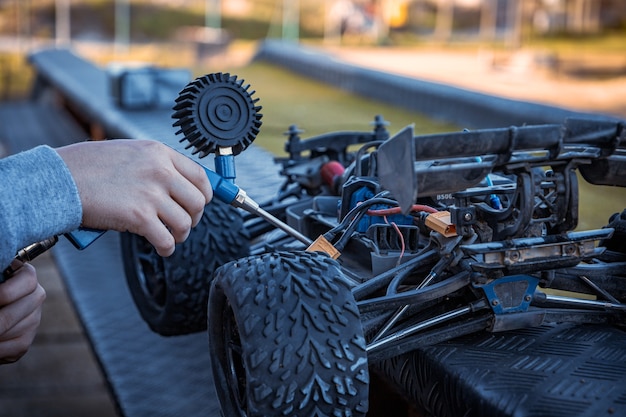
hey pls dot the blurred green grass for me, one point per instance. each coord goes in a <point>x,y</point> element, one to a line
<point>16,76</point>
<point>598,203</point>
<point>290,99</point>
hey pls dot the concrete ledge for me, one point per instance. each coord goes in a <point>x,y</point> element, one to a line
<point>442,102</point>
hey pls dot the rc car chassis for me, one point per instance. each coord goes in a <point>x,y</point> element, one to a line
<point>423,238</point>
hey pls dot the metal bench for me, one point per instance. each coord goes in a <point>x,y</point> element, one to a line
<point>84,89</point>
<point>546,371</point>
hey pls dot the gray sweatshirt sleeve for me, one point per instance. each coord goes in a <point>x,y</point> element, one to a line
<point>38,199</point>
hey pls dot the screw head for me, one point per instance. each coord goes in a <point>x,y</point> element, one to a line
<point>514,255</point>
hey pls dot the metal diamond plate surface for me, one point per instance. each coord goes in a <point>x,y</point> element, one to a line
<point>150,375</point>
<point>550,371</point>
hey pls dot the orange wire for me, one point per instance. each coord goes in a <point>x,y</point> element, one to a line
<point>402,245</point>
<point>395,226</point>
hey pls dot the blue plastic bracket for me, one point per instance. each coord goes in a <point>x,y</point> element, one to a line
<point>510,294</point>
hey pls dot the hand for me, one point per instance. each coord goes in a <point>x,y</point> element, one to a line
<point>21,298</point>
<point>139,186</point>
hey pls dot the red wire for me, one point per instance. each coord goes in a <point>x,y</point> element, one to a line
<point>398,210</point>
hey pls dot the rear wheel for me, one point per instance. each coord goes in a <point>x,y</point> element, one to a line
<point>171,293</point>
<point>286,338</point>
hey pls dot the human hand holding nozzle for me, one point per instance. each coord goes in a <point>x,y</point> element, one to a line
<point>138,210</point>
<point>140,186</point>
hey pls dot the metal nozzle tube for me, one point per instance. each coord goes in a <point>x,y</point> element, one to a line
<point>283,226</point>
<point>243,201</point>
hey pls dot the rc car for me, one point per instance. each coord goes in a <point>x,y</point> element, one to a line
<point>417,239</point>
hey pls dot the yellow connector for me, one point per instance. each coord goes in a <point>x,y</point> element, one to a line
<point>322,245</point>
<point>440,222</point>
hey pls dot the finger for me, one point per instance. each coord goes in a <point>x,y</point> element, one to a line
<point>176,219</point>
<point>183,192</point>
<point>149,224</point>
<point>190,199</point>
<point>194,172</point>
<point>13,314</point>
<point>160,237</point>
<point>14,348</point>
<point>26,325</point>
<point>23,282</point>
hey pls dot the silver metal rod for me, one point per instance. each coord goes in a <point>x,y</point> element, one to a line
<point>243,201</point>
<point>390,323</point>
<point>585,303</point>
<point>283,226</point>
<point>396,316</point>
<point>418,327</point>
<point>598,289</point>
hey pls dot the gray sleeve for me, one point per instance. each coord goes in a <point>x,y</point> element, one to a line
<point>38,199</point>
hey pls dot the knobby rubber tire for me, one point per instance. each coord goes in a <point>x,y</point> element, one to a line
<point>286,339</point>
<point>171,293</point>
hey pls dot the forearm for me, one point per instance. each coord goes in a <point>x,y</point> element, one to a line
<point>38,199</point>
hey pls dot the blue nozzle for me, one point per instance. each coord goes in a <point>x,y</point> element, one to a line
<point>223,190</point>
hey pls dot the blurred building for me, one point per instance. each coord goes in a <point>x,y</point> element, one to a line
<point>489,17</point>
<point>578,16</point>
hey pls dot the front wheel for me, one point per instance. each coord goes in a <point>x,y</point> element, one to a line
<point>171,293</point>
<point>286,338</point>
